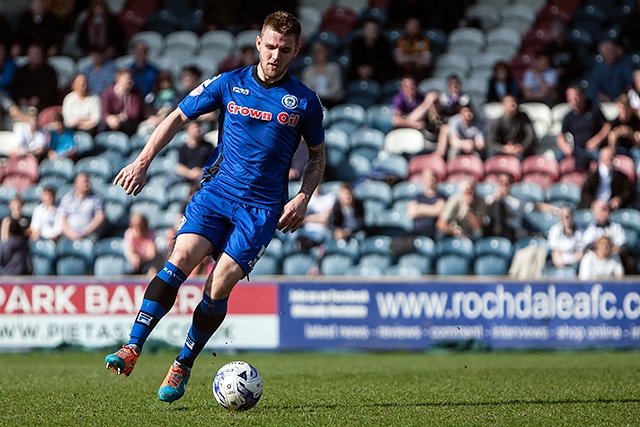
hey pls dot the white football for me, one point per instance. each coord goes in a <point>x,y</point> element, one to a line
<point>237,386</point>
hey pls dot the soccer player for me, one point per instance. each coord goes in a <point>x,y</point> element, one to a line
<point>264,113</point>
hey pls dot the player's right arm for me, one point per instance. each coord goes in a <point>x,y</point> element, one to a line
<point>133,177</point>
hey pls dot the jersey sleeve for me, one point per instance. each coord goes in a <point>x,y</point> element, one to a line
<point>313,129</point>
<point>203,99</point>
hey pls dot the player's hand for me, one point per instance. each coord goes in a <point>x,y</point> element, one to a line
<point>293,214</point>
<point>132,178</point>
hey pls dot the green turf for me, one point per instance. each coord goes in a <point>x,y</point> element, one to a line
<point>333,389</point>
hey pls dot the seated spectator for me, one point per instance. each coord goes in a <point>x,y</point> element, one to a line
<point>32,140</point>
<point>540,81</point>
<point>371,55</point>
<point>25,92</point>
<point>46,220</point>
<point>190,78</point>
<point>139,244</point>
<point>625,129</point>
<point>614,231</point>
<point>101,72</point>
<point>15,214</point>
<point>507,212</point>
<point>565,241</point>
<point>248,56</point>
<point>463,214</point>
<point>513,132</point>
<point>346,218</point>
<point>159,103</point>
<point>61,142</point>
<point>453,98</point>
<point>80,109</point>
<point>7,70</point>
<point>143,72</point>
<point>601,263</point>
<point>501,83</point>
<point>587,126</point>
<point>324,76</point>
<point>315,228</point>
<point>37,26</point>
<point>465,134</point>
<point>82,211</point>
<point>634,92</point>
<point>121,105</point>
<point>405,102</point>
<point>15,256</point>
<point>99,27</point>
<point>612,76</point>
<point>425,208</point>
<point>192,156</point>
<point>412,52</point>
<point>607,184</point>
<point>563,56</point>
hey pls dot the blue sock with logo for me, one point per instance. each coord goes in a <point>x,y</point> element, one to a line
<point>207,318</point>
<point>157,301</point>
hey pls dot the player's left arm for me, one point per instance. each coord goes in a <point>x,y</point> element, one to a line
<point>294,212</point>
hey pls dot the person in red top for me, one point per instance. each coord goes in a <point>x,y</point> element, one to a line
<point>121,105</point>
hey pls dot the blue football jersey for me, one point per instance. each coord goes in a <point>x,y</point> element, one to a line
<point>259,129</point>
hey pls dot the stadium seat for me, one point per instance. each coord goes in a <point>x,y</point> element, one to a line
<point>297,264</point>
<point>26,166</point>
<point>363,271</point>
<point>626,165</point>
<point>461,246</point>
<point>482,63</point>
<point>346,248</point>
<point>538,113</point>
<point>390,166</point>
<point>491,265</point>
<point>217,43</point>
<point>520,16</point>
<point>62,167</point>
<point>376,245</point>
<point>266,266</point>
<point>541,165</point>
<point>583,218</point>
<point>564,194</point>
<point>486,189</point>
<point>335,264</point>
<point>505,39</point>
<point>423,161</point>
<point>404,141</point>
<point>465,165</point>
<point>523,242</point>
<point>379,117</point>
<point>393,223</point>
<point>406,190</point>
<point>84,144</point>
<point>110,265</point>
<point>376,190</point>
<point>379,260</point>
<point>487,14</point>
<point>43,256</point>
<point>363,92</point>
<point>310,19</point>
<point>72,265</point>
<point>503,163</point>
<point>590,17</point>
<point>408,271</point>
<point>465,40</point>
<point>452,265</point>
<point>447,188</point>
<point>339,20</point>
<point>438,39</point>
<point>354,167</point>
<point>109,246</point>
<point>527,191</point>
<point>535,39</point>
<point>452,63</point>
<point>422,262</point>
<point>183,40</point>
<point>540,222</point>
<point>367,142</point>
<point>554,272</point>
<point>430,84</point>
<point>46,115</point>
<point>629,218</point>
<point>65,68</point>
<point>112,141</point>
<point>153,193</point>
<point>152,39</point>
<point>425,246</point>
<point>495,245</point>
<point>95,166</point>
<point>348,117</point>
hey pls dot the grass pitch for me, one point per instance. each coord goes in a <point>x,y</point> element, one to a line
<point>332,389</point>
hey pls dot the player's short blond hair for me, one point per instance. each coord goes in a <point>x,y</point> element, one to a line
<point>283,23</point>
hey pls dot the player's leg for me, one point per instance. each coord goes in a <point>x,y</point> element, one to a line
<point>158,299</point>
<point>207,318</point>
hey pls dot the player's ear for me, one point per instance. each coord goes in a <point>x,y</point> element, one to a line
<point>258,43</point>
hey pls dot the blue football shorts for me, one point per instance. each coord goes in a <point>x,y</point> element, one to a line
<point>241,231</point>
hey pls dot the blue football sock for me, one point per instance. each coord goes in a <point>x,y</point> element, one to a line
<point>207,318</point>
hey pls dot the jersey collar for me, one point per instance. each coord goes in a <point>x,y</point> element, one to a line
<point>283,80</point>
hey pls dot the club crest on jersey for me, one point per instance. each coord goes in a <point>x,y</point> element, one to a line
<point>198,90</point>
<point>290,101</point>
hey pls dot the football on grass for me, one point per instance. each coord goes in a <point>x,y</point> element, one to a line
<point>237,386</point>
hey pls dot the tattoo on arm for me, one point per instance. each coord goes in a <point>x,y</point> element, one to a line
<point>314,170</point>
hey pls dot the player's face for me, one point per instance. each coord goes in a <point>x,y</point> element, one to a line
<point>276,52</point>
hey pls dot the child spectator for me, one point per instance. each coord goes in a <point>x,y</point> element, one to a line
<point>61,142</point>
<point>46,220</point>
<point>32,140</point>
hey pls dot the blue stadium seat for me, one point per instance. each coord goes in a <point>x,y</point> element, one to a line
<point>82,249</point>
<point>452,265</point>
<point>297,264</point>
<point>393,223</point>
<point>61,167</point>
<point>72,265</point>
<point>554,272</point>
<point>95,166</point>
<point>527,191</point>
<point>540,222</point>
<point>374,190</point>
<point>335,264</point>
<point>109,246</point>
<point>583,217</point>
<point>348,117</point>
<point>344,248</point>
<point>84,143</point>
<point>390,165</point>
<point>491,265</point>
<point>363,92</point>
<point>461,246</point>
<point>422,262</point>
<point>496,245</point>
<point>408,271</point>
<point>564,194</point>
<point>406,190</point>
<point>376,245</point>
<point>363,271</point>
<point>368,141</point>
<point>110,265</point>
<point>43,255</point>
<point>380,260</point>
<point>628,218</point>
<point>266,266</point>
<point>112,141</point>
<point>425,246</point>
<point>530,240</point>
<point>379,117</point>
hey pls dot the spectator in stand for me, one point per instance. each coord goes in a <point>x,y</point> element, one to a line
<point>512,133</point>
<point>612,76</point>
<point>190,78</point>
<point>37,26</point>
<point>159,103</point>
<point>15,214</point>
<point>99,27</point>
<point>81,110</point>
<point>32,140</point>
<point>463,214</point>
<point>540,81</point>
<point>501,83</point>
<point>15,256</point>
<point>453,98</point>
<point>465,134</point>
<point>7,70</point>
<point>61,142</point>
<point>248,56</point>
<point>101,72</point>
<point>46,220</point>
<point>565,241</point>
<point>40,95</point>
<point>607,184</point>
<point>625,129</point>
<point>371,55</point>
<point>192,156</point>
<point>634,92</point>
<point>413,50</point>
<point>143,72</point>
<point>507,212</point>
<point>140,247</point>
<point>121,104</point>
<point>425,208</point>
<point>413,110</point>
<point>563,56</point>
<point>629,36</point>
<point>82,211</point>
<point>315,228</point>
<point>346,218</point>
<point>324,76</point>
<point>601,263</point>
<point>586,126</point>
